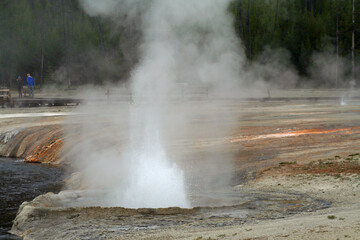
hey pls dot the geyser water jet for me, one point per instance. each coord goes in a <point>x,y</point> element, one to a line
<point>183,41</point>
<point>153,181</point>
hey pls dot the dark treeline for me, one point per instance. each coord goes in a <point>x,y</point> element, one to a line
<point>303,27</point>
<point>58,42</point>
<point>55,41</point>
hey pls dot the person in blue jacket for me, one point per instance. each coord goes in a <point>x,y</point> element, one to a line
<point>31,84</point>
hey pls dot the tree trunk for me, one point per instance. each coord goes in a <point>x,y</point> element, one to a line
<point>353,42</point>
<point>276,12</point>
<point>101,34</point>
<point>337,51</point>
<point>42,68</point>
<point>249,30</point>
<point>239,19</point>
<point>66,47</point>
<point>276,18</point>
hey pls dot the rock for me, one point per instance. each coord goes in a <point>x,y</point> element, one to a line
<point>35,144</point>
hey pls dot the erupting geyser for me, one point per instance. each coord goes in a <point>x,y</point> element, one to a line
<point>182,41</point>
<point>153,181</point>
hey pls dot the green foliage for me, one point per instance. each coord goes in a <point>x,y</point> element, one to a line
<point>301,27</point>
<point>39,36</point>
<point>55,40</point>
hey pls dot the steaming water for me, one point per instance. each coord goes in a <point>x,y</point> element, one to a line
<point>21,182</point>
<point>192,42</point>
<point>153,180</point>
<point>343,102</point>
<point>43,114</point>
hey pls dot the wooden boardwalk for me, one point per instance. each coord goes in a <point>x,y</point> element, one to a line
<point>5,97</point>
<point>38,102</point>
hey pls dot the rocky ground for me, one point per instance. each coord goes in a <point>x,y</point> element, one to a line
<point>297,167</point>
<point>34,134</point>
<point>279,206</point>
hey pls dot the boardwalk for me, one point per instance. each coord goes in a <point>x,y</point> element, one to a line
<point>37,102</point>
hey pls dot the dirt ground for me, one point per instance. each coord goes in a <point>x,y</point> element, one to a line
<point>310,149</point>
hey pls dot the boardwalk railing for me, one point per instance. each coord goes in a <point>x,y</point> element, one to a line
<point>38,102</point>
<point>5,97</point>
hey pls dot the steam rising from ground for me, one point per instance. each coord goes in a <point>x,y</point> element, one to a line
<point>188,43</point>
<point>125,150</point>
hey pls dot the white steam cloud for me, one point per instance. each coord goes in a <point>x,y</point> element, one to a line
<point>188,43</point>
<point>123,150</point>
<point>329,70</point>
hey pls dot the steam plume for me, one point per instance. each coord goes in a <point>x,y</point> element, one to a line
<point>188,42</point>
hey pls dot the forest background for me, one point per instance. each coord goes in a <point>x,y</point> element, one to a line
<point>60,44</point>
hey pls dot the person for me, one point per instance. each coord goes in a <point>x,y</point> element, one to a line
<point>19,87</point>
<point>31,84</point>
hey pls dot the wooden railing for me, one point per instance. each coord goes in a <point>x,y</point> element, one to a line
<point>5,97</point>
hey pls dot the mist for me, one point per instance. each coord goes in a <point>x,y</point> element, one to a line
<point>125,151</point>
